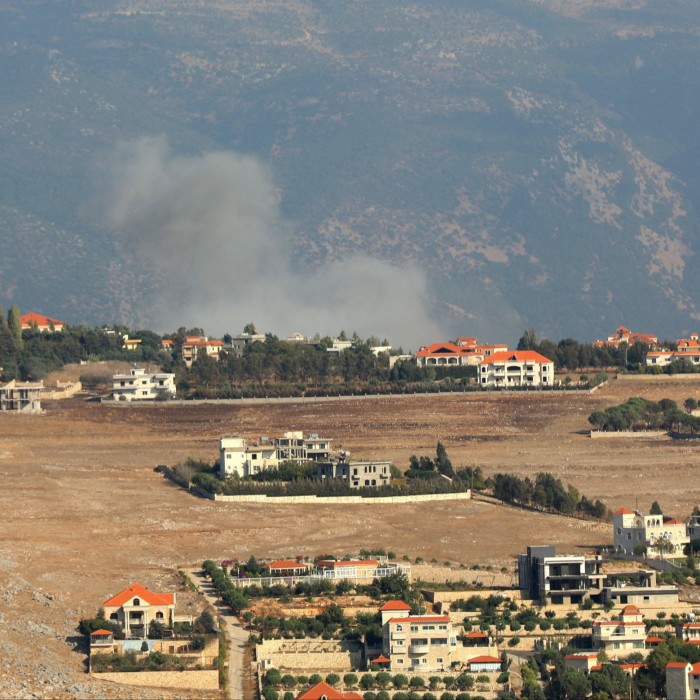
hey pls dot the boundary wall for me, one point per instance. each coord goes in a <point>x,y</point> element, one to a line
<point>342,500</point>
<point>196,680</point>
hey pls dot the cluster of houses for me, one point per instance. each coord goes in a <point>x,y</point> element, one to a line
<point>240,458</point>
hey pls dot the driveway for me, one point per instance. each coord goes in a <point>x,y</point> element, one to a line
<point>236,635</point>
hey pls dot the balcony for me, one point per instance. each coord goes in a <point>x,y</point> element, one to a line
<point>421,648</point>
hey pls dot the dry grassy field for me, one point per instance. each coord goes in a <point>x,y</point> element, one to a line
<point>85,514</point>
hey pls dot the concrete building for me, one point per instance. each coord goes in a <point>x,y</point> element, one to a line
<point>195,346</point>
<point>682,680</point>
<point>140,385</point>
<point>356,474</point>
<point>516,368</point>
<point>557,579</point>
<point>238,456</point>
<point>22,397</point>
<point>418,643</point>
<point>621,636</point>
<point>239,342</point>
<point>657,535</point>
<point>136,607</point>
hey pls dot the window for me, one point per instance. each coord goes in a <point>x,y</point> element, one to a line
<point>114,616</point>
<point>442,627</point>
<point>414,628</point>
<point>399,628</point>
<point>438,661</point>
<point>136,602</point>
<point>159,615</point>
<point>399,661</point>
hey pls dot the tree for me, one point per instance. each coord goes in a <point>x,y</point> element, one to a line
<point>14,325</point>
<point>156,630</point>
<point>333,679</point>
<point>350,680</point>
<point>250,329</point>
<point>690,405</point>
<point>273,677</point>
<point>528,340</point>
<point>205,623</point>
<point>442,461</point>
<point>655,509</point>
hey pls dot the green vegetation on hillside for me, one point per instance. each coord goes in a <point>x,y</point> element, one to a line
<point>641,414</point>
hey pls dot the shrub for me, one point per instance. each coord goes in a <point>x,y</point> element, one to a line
<point>514,641</point>
<point>270,694</point>
<point>273,677</point>
<point>333,679</point>
<point>350,680</point>
<point>416,682</point>
<point>400,681</point>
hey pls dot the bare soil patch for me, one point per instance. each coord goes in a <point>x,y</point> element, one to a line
<point>85,514</point>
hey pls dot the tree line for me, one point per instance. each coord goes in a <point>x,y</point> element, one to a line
<point>547,493</point>
<point>639,414</point>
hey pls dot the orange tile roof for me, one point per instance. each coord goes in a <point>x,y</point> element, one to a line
<point>517,356</point>
<point>485,660</point>
<point>136,590</point>
<point>476,635</point>
<point>381,659</point>
<point>285,564</point>
<point>581,656</point>
<point>100,633</point>
<point>624,511</point>
<point>321,690</point>
<point>677,664</point>
<point>631,610</point>
<point>439,349</point>
<point>394,605</point>
<point>655,640</point>
<point>34,319</point>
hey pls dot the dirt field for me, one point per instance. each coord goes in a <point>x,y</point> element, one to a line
<point>85,514</point>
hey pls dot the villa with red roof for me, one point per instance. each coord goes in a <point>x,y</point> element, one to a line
<point>656,534</point>
<point>516,368</point>
<point>622,636</point>
<point>41,322</point>
<point>466,351</point>
<point>287,567</point>
<point>200,346</point>
<point>419,643</point>
<point>625,335</point>
<point>323,691</point>
<point>682,680</point>
<point>136,607</point>
<point>686,349</point>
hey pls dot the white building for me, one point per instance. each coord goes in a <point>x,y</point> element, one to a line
<point>682,680</point>
<point>237,456</point>
<point>24,397</point>
<point>516,368</point>
<point>623,636</point>
<point>140,385</point>
<point>419,643</point>
<point>655,534</point>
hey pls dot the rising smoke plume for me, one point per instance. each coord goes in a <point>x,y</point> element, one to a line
<point>209,226</point>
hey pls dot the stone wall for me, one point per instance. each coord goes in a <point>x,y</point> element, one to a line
<point>319,655</point>
<point>344,500</point>
<point>197,680</point>
<point>63,390</point>
<point>638,434</point>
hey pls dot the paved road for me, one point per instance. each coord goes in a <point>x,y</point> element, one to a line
<point>236,635</point>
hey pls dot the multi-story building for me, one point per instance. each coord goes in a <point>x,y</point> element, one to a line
<point>625,335</point>
<point>140,385</point>
<point>557,579</point>
<point>419,643</point>
<point>355,474</point>
<point>621,636</point>
<point>466,351</point>
<point>654,534</point>
<point>24,397</point>
<point>195,346</point>
<point>682,680</point>
<point>238,456</point>
<point>516,368</point>
<point>136,607</point>
<point>239,342</point>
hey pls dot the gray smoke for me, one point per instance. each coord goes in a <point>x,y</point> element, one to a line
<point>209,226</point>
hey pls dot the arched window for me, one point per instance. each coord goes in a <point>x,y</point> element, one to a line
<point>114,616</point>
<point>137,601</point>
<point>159,615</point>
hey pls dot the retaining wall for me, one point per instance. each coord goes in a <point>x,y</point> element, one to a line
<point>63,390</point>
<point>198,680</point>
<point>637,434</point>
<point>261,498</point>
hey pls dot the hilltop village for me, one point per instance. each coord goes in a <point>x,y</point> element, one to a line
<point>614,616</point>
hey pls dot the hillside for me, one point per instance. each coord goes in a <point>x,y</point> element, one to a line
<point>403,168</point>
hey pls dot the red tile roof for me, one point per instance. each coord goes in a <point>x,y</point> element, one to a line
<point>517,356</point>
<point>100,633</point>
<point>381,659</point>
<point>485,660</point>
<point>631,610</point>
<point>581,656</point>
<point>624,511</point>
<point>34,319</point>
<point>476,635</point>
<point>654,640</point>
<point>321,690</point>
<point>285,564</point>
<point>677,664</point>
<point>136,590</point>
<point>394,605</point>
